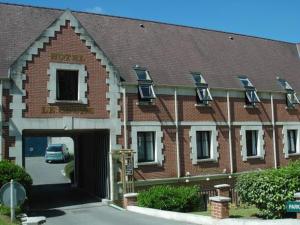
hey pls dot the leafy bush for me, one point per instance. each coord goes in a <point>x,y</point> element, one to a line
<point>69,169</point>
<point>269,190</point>
<point>179,199</point>
<point>9,170</point>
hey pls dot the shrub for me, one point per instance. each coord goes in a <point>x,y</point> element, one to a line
<point>69,169</point>
<point>269,190</point>
<point>179,199</point>
<point>9,170</point>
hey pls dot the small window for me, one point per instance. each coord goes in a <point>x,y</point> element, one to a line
<point>291,97</point>
<point>146,146</point>
<point>142,74</point>
<point>67,85</point>
<point>145,88</point>
<point>292,141</point>
<point>251,142</point>
<point>251,97</point>
<point>203,144</point>
<point>202,90</point>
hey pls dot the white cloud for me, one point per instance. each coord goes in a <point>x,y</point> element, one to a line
<point>95,9</point>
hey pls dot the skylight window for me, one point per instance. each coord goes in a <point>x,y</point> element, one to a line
<point>202,90</point>
<point>291,97</point>
<point>251,96</point>
<point>145,88</point>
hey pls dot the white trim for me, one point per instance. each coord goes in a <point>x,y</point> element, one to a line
<point>260,142</point>
<point>285,140</point>
<point>214,154</point>
<point>52,83</point>
<point>159,157</point>
<point>274,133</point>
<point>177,133</point>
<point>229,132</point>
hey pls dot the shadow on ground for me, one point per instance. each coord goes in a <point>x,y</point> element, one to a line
<point>48,199</point>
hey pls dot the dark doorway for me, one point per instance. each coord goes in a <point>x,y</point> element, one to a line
<point>88,182</point>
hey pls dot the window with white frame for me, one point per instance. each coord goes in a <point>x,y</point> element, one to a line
<point>291,137</point>
<point>67,83</point>
<point>146,146</point>
<point>204,143</point>
<point>252,142</point>
<point>251,97</point>
<point>291,96</point>
<point>145,88</point>
<point>146,141</point>
<point>202,90</point>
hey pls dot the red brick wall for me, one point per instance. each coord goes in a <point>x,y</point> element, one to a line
<point>161,110</point>
<point>203,168</point>
<point>187,111</point>
<point>253,164</point>
<point>282,161</point>
<point>169,168</point>
<point>66,42</point>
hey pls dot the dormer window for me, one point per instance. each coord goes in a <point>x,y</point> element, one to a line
<point>145,85</point>
<point>202,90</point>
<point>251,97</point>
<point>291,97</point>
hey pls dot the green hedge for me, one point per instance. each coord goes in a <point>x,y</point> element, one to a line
<point>9,170</point>
<point>269,190</point>
<point>179,199</point>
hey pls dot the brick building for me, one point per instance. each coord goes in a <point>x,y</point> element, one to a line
<point>193,103</point>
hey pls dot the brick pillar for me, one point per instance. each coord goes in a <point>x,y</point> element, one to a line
<point>297,198</point>
<point>130,199</point>
<point>219,207</point>
<point>223,190</point>
<point>220,203</point>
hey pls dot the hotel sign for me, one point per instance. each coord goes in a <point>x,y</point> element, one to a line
<point>58,110</point>
<point>66,57</point>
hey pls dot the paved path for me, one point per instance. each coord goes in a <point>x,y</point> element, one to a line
<point>106,215</point>
<point>64,205</point>
<point>45,173</point>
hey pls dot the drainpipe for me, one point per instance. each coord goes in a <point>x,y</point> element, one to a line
<point>274,132</point>
<point>125,119</point>
<point>229,132</point>
<point>177,135</point>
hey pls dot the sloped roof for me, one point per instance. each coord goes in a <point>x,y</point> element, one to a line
<point>169,52</point>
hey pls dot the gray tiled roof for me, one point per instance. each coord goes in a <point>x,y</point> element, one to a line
<point>169,52</point>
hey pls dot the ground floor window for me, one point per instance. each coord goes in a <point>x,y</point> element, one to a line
<point>146,146</point>
<point>203,144</point>
<point>292,141</point>
<point>251,141</point>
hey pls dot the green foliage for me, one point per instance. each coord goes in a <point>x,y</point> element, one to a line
<point>269,190</point>
<point>9,170</point>
<point>179,199</point>
<point>69,169</point>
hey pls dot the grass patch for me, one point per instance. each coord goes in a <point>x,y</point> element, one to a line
<point>235,212</point>
<point>5,216</point>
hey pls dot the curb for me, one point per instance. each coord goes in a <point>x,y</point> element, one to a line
<point>207,220</point>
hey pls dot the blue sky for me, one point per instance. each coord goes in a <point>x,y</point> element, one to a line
<point>274,19</point>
